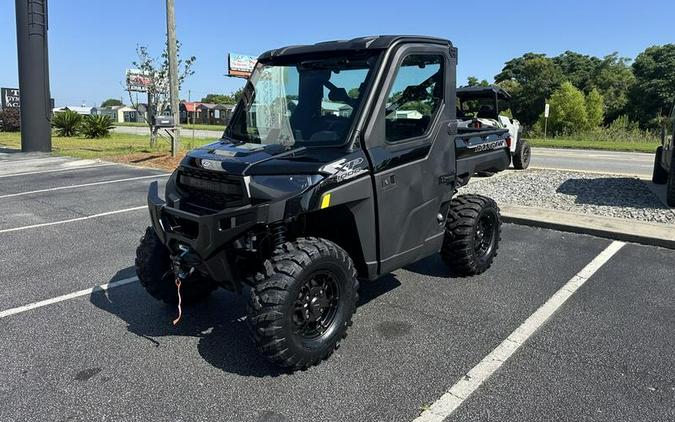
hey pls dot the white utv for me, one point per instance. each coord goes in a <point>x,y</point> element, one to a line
<point>480,107</point>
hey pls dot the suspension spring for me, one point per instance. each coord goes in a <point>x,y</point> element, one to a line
<point>278,234</point>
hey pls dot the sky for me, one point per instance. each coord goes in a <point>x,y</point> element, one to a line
<point>92,42</point>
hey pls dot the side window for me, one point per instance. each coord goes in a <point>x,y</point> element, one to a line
<point>415,96</point>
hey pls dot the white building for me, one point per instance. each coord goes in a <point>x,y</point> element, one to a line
<point>119,114</point>
<point>83,110</point>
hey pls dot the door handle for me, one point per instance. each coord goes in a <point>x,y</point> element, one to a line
<point>389,181</point>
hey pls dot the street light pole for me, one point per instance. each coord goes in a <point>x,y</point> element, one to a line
<point>173,73</point>
<point>31,39</point>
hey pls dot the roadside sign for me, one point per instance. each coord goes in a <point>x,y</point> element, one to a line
<point>137,80</point>
<point>546,110</point>
<point>10,98</point>
<point>240,65</point>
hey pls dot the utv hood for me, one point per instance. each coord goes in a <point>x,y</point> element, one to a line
<point>249,159</point>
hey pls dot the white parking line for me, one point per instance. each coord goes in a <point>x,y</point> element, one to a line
<point>451,400</point>
<point>72,220</point>
<point>105,182</point>
<point>26,173</point>
<point>40,304</point>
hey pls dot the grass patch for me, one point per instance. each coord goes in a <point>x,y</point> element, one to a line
<point>195,126</point>
<point>111,148</point>
<point>627,146</point>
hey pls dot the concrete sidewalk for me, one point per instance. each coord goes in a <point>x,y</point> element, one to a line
<point>612,228</point>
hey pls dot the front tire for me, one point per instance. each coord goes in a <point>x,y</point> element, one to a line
<point>154,270</point>
<point>670,189</point>
<point>302,303</point>
<point>472,234</point>
<point>522,155</point>
<point>659,175</point>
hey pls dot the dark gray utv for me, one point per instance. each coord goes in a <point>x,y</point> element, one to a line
<point>340,164</point>
<point>664,169</point>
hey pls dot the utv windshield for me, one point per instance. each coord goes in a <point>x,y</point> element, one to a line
<point>308,102</point>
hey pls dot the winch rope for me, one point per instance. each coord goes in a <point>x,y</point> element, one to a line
<point>180,300</point>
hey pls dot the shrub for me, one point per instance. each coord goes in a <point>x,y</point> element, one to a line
<point>96,126</point>
<point>622,129</point>
<point>67,123</point>
<point>568,110</point>
<point>11,119</point>
<point>595,108</point>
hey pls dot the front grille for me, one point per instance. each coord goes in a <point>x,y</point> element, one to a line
<point>209,191</point>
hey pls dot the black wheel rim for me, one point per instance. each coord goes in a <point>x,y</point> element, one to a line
<point>485,235</point>
<point>316,305</point>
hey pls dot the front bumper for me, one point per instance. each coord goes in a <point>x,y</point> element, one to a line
<point>206,235</point>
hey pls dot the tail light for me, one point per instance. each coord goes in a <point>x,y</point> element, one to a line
<point>508,142</point>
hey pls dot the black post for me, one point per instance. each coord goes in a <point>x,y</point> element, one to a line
<point>31,36</point>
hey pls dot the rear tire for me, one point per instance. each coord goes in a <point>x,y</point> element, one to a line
<point>522,154</point>
<point>154,270</point>
<point>301,305</point>
<point>659,175</point>
<point>670,189</point>
<point>472,234</point>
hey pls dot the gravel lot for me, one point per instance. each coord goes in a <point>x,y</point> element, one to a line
<point>585,193</point>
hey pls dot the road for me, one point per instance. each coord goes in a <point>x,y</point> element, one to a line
<point>628,163</point>
<point>72,351</point>
<point>198,133</point>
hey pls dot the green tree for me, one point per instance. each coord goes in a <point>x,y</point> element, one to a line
<point>110,102</point>
<point>473,81</point>
<point>218,99</point>
<point>614,78</point>
<point>236,95</point>
<point>568,110</point>
<point>157,71</point>
<point>232,98</point>
<point>652,94</point>
<point>579,69</point>
<point>537,76</point>
<point>595,108</point>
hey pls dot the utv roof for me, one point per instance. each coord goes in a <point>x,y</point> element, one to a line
<point>483,92</point>
<point>377,42</point>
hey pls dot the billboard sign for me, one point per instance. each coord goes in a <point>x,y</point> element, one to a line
<point>240,65</point>
<point>10,98</point>
<point>137,80</point>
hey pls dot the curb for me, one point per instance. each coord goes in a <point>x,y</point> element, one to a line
<point>652,234</point>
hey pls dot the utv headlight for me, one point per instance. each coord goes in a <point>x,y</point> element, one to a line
<point>279,187</point>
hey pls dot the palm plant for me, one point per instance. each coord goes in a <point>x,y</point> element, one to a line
<point>96,126</point>
<point>67,123</point>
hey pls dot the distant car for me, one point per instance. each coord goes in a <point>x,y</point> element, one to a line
<point>664,170</point>
<point>480,107</point>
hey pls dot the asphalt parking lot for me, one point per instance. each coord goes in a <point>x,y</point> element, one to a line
<point>607,353</point>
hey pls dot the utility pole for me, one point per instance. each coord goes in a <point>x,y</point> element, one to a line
<point>31,39</point>
<point>173,74</point>
<point>187,117</point>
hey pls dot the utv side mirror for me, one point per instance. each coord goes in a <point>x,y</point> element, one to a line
<point>339,94</point>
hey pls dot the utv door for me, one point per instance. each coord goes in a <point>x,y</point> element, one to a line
<point>412,153</point>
